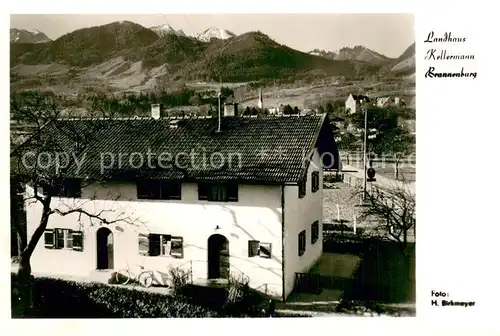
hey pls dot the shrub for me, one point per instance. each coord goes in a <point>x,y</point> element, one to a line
<point>178,281</point>
<point>53,298</point>
<point>242,300</point>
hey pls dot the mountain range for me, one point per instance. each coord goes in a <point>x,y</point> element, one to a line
<point>357,53</point>
<point>27,36</point>
<point>127,56</point>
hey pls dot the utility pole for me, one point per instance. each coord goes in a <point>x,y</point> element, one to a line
<point>219,114</point>
<point>364,152</point>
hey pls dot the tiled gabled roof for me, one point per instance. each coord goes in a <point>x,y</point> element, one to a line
<point>360,98</point>
<point>263,149</point>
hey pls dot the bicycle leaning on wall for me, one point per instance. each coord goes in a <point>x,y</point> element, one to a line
<point>142,276</point>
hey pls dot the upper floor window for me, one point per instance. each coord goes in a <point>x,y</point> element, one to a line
<point>314,181</point>
<point>158,189</point>
<point>302,188</point>
<point>314,232</point>
<point>218,192</point>
<point>302,242</point>
<point>68,188</point>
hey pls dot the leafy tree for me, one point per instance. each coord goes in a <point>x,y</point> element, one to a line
<point>287,109</point>
<point>321,109</point>
<point>329,108</point>
<point>296,110</point>
<point>398,144</point>
<point>247,111</point>
<point>226,92</point>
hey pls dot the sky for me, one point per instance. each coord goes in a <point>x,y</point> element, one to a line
<point>388,34</point>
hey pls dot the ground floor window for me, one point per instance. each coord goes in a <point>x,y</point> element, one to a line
<point>257,248</point>
<point>154,244</point>
<point>63,239</point>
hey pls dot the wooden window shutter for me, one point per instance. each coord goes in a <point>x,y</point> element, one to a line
<point>265,250</point>
<point>78,240</point>
<point>232,192</point>
<point>49,237</point>
<point>253,248</point>
<point>143,244</point>
<point>177,248</point>
<point>203,190</point>
<point>142,189</point>
<point>154,244</point>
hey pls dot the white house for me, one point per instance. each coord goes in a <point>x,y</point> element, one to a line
<point>241,196</point>
<point>353,103</point>
<point>389,101</point>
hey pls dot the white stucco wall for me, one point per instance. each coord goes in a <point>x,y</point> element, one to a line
<point>300,213</point>
<point>256,216</point>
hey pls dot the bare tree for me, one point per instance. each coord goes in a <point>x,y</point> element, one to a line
<point>34,164</point>
<point>394,211</point>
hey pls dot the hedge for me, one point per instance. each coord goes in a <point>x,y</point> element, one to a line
<point>54,298</point>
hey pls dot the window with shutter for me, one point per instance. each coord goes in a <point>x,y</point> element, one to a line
<point>302,242</point>
<point>315,181</point>
<point>177,249</point>
<point>253,248</point>
<point>77,240</point>
<point>154,244</point>
<point>302,188</point>
<point>218,192</point>
<point>143,244</point>
<point>63,239</point>
<point>49,237</point>
<point>265,250</point>
<point>314,232</point>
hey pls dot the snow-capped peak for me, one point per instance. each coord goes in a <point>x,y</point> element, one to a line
<point>165,29</point>
<point>213,32</point>
<point>27,36</point>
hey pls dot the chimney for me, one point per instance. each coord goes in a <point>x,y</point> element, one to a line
<point>157,111</point>
<point>230,109</point>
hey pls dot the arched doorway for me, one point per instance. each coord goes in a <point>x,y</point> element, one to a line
<point>218,257</point>
<point>104,248</point>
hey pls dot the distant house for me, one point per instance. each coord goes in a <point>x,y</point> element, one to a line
<point>277,110</point>
<point>259,214</point>
<point>353,103</point>
<point>390,101</point>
